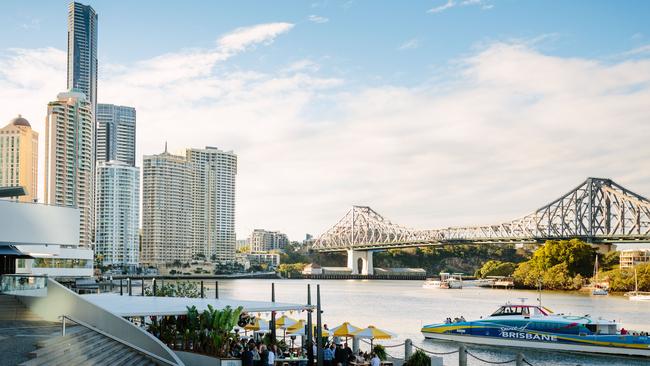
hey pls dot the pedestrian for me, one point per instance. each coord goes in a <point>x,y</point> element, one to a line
<point>264,355</point>
<point>272,355</point>
<point>340,355</point>
<point>374,360</point>
<point>247,356</point>
<point>328,356</point>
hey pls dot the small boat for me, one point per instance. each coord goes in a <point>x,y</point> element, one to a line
<point>637,295</point>
<point>534,326</point>
<point>598,289</point>
<point>446,281</point>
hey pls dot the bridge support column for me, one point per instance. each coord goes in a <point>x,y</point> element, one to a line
<point>360,262</point>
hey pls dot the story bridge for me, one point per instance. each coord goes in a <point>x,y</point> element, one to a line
<point>598,211</point>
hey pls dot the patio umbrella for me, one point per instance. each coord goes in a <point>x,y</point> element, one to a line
<point>285,322</point>
<point>258,324</point>
<point>344,330</point>
<point>299,330</point>
<point>373,333</point>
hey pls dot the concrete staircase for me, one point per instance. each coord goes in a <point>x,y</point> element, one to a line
<point>82,346</point>
<point>12,309</point>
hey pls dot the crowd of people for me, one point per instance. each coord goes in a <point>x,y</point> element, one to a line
<point>256,353</point>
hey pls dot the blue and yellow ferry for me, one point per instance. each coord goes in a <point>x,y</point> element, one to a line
<point>532,326</point>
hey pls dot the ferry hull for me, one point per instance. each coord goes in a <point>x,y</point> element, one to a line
<point>495,341</point>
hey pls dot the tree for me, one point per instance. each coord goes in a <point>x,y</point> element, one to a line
<point>496,268</point>
<point>559,265</point>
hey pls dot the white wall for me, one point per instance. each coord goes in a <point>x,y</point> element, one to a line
<point>30,223</point>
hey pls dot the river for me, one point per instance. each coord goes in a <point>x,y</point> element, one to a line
<point>404,306</point>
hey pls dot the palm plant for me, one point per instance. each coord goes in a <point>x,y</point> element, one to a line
<point>418,358</point>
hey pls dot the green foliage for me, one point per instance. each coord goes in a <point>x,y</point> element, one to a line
<point>496,268</point>
<point>418,358</point>
<point>176,289</point>
<point>208,332</point>
<point>609,260</point>
<point>293,269</point>
<point>559,265</point>
<point>380,351</point>
<point>623,279</point>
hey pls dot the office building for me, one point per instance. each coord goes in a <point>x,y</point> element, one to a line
<point>82,51</point>
<point>264,241</point>
<point>19,157</point>
<point>188,206</point>
<point>70,158</point>
<point>117,213</point>
<point>115,133</point>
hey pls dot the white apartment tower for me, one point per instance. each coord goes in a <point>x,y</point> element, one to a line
<point>188,205</point>
<point>117,215</point>
<point>166,218</point>
<point>70,158</point>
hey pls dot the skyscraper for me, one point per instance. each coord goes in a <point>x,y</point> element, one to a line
<point>166,209</point>
<point>115,133</point>
<point>117,215</point>
<point>82,51</point>
<point>19,157</point>
<point>188,205</point>
<point>213,197</point>
<point>70,157</point>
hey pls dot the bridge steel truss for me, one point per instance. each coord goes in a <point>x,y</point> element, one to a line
<point>597,211</point>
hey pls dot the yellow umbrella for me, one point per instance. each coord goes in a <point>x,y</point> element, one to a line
<point>373,333</point>
<point>258,324</point>
<point>285,322</point>
<point>299,330</point>
<point>344,330</point>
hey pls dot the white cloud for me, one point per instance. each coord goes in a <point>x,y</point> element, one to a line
<point>241,38</point>
<point>438,9</point>
<point>510,130</point>
<point>451,3</point>
<point>409,44</point>
<point>318,19</point>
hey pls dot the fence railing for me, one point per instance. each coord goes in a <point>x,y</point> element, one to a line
<point>23,285</point>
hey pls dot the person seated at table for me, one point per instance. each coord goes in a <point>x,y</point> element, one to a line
<point>374,360</point>
<point>359,358</point>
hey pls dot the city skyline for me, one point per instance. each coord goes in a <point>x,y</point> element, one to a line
<point>461,126</point>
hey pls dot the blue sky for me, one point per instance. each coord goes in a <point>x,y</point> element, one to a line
<point>360,38</point>
<point>435,113</point>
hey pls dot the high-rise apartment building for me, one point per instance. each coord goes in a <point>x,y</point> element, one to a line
<point>188,205</point>
<point>117,213</point>
<point>213,197</point>
<point>19,157</point>
<point>264,241</point>
<point>115,133</point>
<point>82,51</point>
<point>166,209</point>
<point>70,158</point>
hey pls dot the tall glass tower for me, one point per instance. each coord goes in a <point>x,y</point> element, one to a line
<point>115,133</point>
<point>82,50</point>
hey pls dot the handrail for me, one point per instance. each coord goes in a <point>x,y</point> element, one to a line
<point>132,346</point>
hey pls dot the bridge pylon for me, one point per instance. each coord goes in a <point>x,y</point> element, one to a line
<point>360,262</point>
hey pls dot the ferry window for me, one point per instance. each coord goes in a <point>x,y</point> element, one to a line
<point>525,312</point>
<point>591,327</point>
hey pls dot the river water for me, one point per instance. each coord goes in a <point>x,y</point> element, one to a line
<point>404,306</point>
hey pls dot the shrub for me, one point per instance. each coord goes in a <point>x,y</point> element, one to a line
<point>418,358</point>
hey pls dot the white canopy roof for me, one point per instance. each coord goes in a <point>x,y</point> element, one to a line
<point>127,306</point>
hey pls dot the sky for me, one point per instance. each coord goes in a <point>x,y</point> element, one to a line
<point>434,113</point>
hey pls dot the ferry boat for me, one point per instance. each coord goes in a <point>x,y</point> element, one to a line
<point>532,326</point>
<point>446,281</point>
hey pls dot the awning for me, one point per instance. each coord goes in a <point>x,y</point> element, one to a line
<point>131,306</point>
<point>11,250</point>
